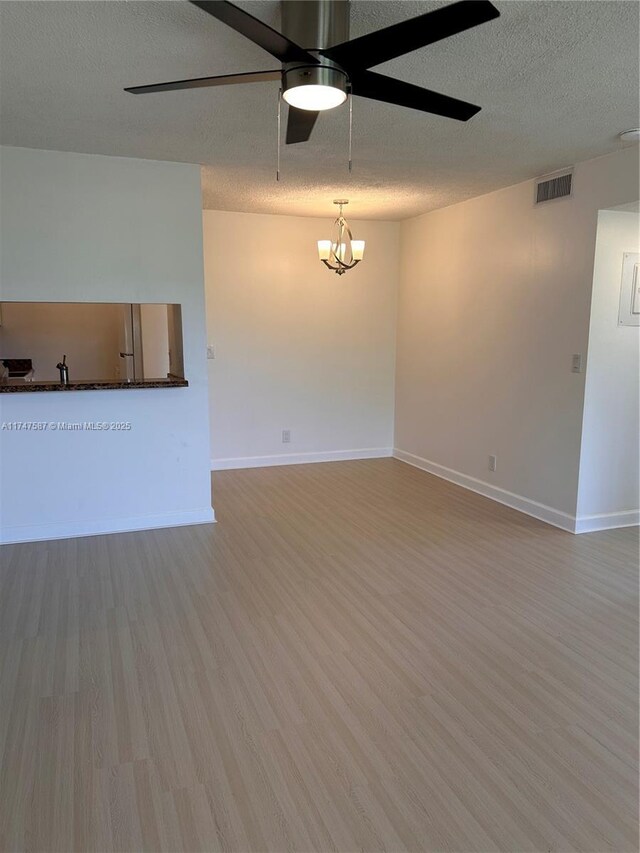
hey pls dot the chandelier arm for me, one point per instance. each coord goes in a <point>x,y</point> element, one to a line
<point>342,268</point>
<point>343,226</point>
<point>335,245</point>
<point>342,265</point>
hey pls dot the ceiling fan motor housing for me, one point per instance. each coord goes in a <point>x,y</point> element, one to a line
<point>315,25</point>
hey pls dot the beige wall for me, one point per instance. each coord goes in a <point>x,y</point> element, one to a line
<point>494,299</point>
<point>610,456</point>
<point>45,331</point>
<point>298,347</point>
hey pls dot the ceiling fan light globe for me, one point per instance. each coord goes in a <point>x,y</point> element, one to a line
<point>314,88</point>
<point>314,97</point>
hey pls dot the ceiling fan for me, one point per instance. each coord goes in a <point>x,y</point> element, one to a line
<point>321,75</point>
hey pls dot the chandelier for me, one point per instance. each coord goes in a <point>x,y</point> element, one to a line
<point>343,252</point>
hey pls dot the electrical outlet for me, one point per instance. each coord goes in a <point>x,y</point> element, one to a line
<point>286,436</point>
<point>493,461</point>
<point>211,351</point>
<point>576,363</point>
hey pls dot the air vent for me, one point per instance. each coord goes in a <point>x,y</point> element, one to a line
<point>553,186</point>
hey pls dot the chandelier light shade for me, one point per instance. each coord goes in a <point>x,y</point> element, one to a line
<point>343,252</point>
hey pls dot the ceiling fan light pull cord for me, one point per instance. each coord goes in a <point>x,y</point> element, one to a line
<point>350,131</point>
<point>279,133</point>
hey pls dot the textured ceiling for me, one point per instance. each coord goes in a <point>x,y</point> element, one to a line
<point>557,81</point>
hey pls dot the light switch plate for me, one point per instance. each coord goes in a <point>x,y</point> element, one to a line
<point>211,351</point>
<point>576,363</point>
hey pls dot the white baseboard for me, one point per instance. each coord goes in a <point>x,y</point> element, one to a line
<point>300,458</point>
<point>98,527</point>
<point>540,511</point>
<point>607,521</point>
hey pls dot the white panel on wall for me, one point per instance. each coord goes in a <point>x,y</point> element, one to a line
<point>629,312</point>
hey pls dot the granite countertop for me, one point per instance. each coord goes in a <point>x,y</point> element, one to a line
<point>17,386</point>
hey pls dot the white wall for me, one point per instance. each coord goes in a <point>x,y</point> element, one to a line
<point>88,228</point>
<point>610,458</point>
<point>297,346</point>
<point>494,299</point>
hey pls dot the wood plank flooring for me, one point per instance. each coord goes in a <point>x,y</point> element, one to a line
<point>358,656</point>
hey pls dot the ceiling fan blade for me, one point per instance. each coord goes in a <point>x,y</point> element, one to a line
<point>398,39</point>
<point>256,31</point>
<point>204,82</point>
<point>300,124</point>
<point>368,84</point>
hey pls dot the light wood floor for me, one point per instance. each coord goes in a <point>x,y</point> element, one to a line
<point>357,657</point>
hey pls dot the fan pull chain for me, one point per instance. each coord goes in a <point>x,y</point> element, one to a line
<point>350,130</point>
<point>279,134</point>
